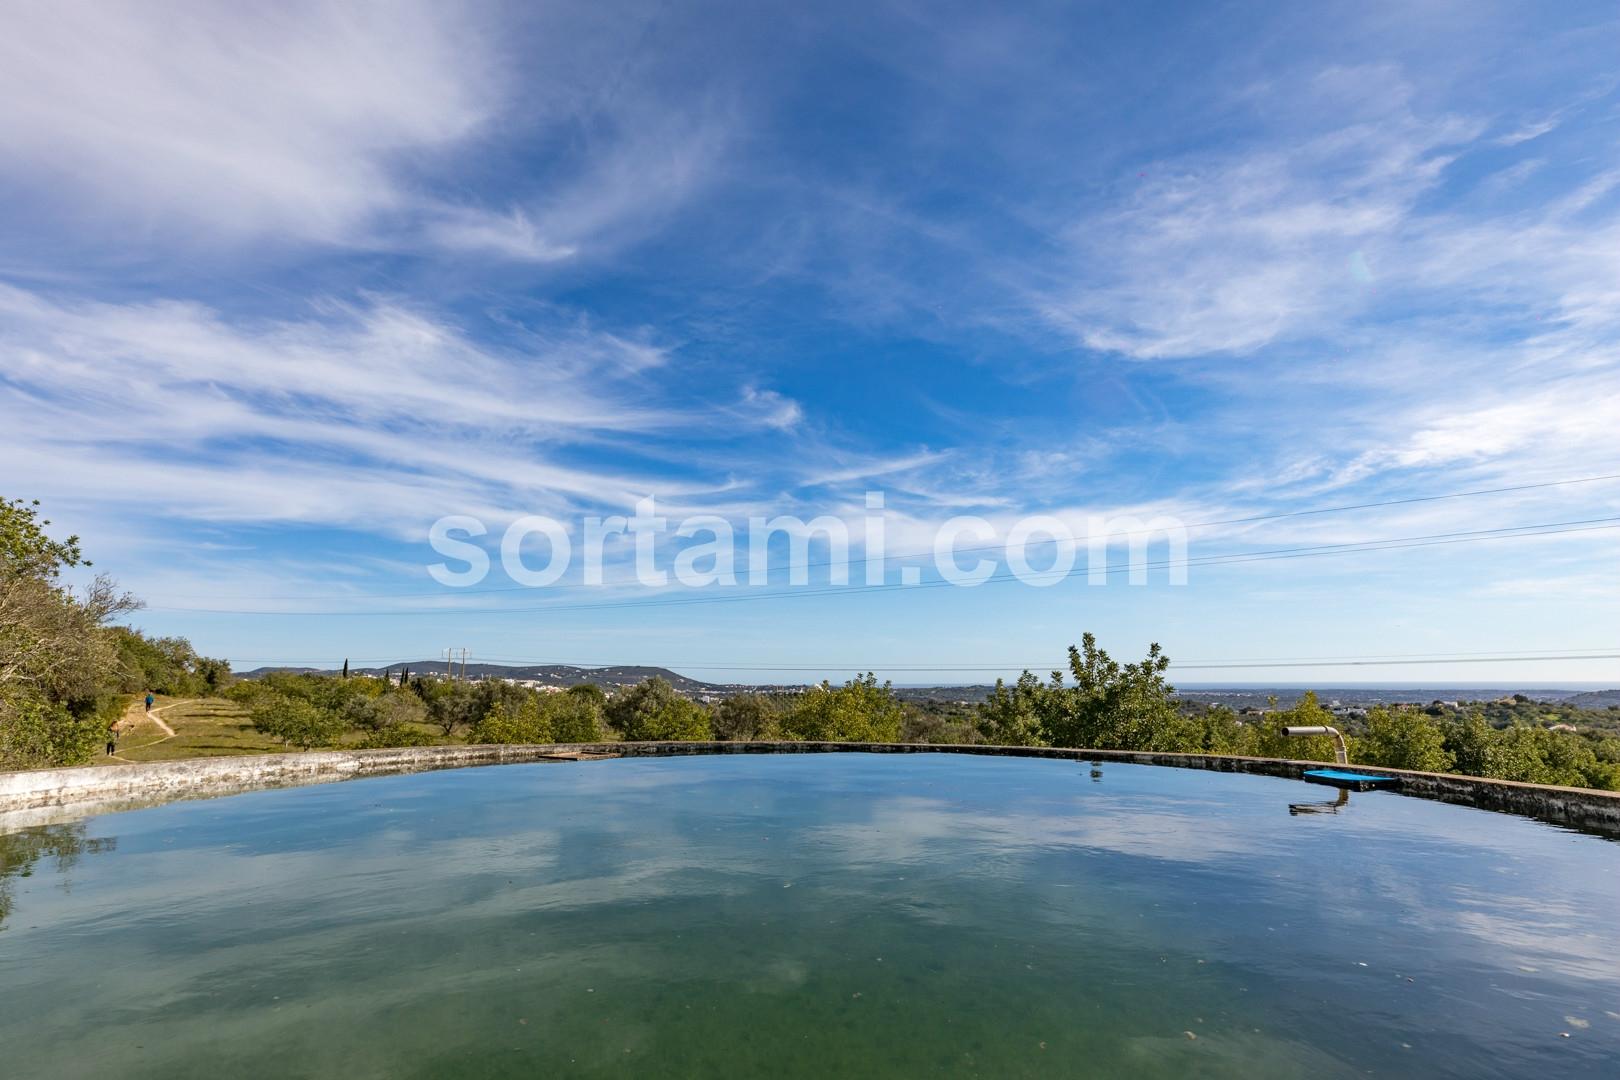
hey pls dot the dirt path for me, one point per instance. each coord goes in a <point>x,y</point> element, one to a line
<point>152,715</point>
<point>136,714</point>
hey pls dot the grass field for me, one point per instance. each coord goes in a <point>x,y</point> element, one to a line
<point>207,727</point>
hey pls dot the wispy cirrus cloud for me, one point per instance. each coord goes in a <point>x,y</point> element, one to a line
<point>296,281</point>
<point>244,122</point>
<point>1378,263</point>
<point>1227,252</point>
<point>376,415</point>
<point>348,125</point>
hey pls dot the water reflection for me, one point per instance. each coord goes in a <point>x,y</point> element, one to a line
<point>1331,806</point>
<point>63,845</point>
<point>809,916</point>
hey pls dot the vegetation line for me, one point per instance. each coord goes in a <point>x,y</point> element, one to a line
<point>65,671</point>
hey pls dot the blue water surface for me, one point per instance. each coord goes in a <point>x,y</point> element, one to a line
<point>851,915</point>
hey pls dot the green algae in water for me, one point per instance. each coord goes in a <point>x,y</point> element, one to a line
<point>817,915</point>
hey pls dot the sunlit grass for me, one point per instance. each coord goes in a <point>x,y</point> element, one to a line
<point>209,727</point>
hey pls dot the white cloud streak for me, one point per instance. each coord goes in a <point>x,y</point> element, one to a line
<point>193,125</point>
<point>376,416</point>
<point>245,121</point>
<point>1226,254</point>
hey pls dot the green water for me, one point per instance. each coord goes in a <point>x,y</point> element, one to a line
<point>844,915</point>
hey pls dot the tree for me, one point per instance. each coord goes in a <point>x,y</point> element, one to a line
<point>590,691</point>
<point>531,717</point>
<point>575,718</point>
<point>215,674</point>
<point>396,718</point>
<point>1404,739</point>
<point>452,704</point>
<point>652,711</point>
<point>296,721</point>
<point>26,550</point>
<point>35,734</point>
<point>1113,706</point>
<point>53,642</point>
<point>395,735</point>
<point>390,710</point>
<point>1217,730</point>
<point>745,716</point>
<point>1270,741</point>
<point>926,723</point>
<point>1014,716</point>
<point>166,665</point>
<point>859,711</point>
<point>503,725</point>
<point>1474,745</point>
<point>1569,762</point>
<point>59,671</point>
<point>490,691</point>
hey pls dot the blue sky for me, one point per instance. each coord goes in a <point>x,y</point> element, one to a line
<point>280,289</point>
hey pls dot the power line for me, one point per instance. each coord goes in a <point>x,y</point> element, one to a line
<point>886,557</point>
<point>1207,666</point>
<point>1381,663</point>
<point>1387,544</point>
<point>531,661</point>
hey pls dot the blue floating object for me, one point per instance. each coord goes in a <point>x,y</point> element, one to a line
<point>1352,781</point>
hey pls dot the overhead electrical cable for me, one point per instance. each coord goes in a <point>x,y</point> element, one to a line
<point>1316,551</point>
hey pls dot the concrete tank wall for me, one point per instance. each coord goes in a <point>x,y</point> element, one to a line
<point>38,796</point>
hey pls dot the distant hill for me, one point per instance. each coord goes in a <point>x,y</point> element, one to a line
<point>956,694</point>
<point>544,674</point>
<point>612,678</point>
<point>1238,697</point>
<point>1594,699</point>
<point>256,672</point>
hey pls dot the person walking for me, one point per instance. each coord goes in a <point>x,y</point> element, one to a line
<point>112,740</point>
<point>150,700</point>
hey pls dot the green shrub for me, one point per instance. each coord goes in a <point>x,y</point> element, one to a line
<point>653,712</point>
<point>746,716</point>
<point>37,734</point>
<point>394,735</point>
<point>859,711</point>
<point>296,721</point>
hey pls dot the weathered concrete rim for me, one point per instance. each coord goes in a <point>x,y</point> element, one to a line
<point>42,796</point>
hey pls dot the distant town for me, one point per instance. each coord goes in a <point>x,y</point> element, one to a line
<point>1553,708</point>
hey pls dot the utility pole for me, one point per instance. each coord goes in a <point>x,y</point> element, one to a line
<point>450,663</point>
